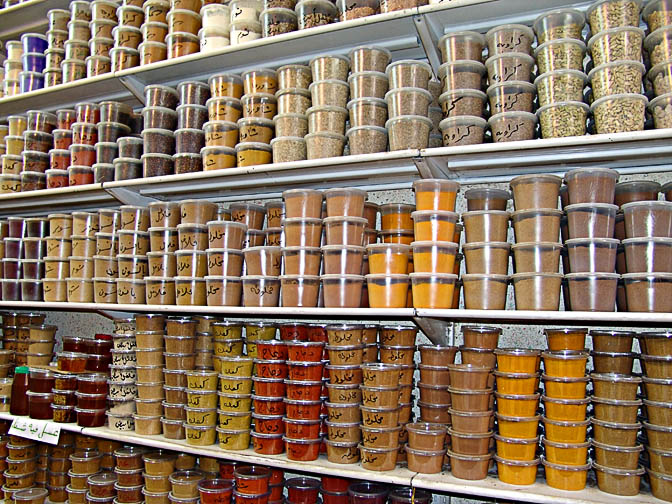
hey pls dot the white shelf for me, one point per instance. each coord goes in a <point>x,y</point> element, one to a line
<point>629,153</point>
<point>550,317</point>
<point>30,16</point>
<point>490,487</point>
<point>502,316</point>
<point>278,312</point>
<point>539,492</point>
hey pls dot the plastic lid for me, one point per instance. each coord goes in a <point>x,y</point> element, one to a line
<point>22,370</point>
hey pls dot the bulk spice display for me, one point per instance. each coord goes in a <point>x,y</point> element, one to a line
<point>344,393</point>
<point>347,391</point>
<point>324,249</point>
<point>85,469</point>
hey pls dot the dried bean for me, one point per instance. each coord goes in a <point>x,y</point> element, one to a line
<point>571,30</point>
<point>560,54</point>
<point>286,149</point>
<point>613,14</point>
<point>661,109</point>
<point>618,44</point>
<point>619,113</point>
<point>563,85</point>
<point>616,78</point>
<point>563,120</point>
<point>658,19</point>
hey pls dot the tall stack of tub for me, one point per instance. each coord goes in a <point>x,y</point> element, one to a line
<point>329,93</point>
<point>77,44</point>
<point>344,224</point>
<point>84,227</point>
<point>615,46</point>
<point>122,378</point>
<point>657,15</point>
<point>462,98</point>
<point>656,357</point>
<point>149,337</point>
<point>38,141</point>
<point>164,217</point>
<point>245,25</point>
<point>216,29</point>
<point>55,53</point>
<point>261,282</point>
<point>536,223</point>
<point>591,217</point>
<point>192,265</point>
<point>179,358</point>
<point>517,378</point>
<point>12,67</point>
<point>566,463</point>
<point>486,251</point>
<point>33,62</point>
<point>158,136</point>
<point>105,264</point>
<point>648,228</point>
<point>615,410</point>
<point>154,30</point>
<point>471,395</point>
<point>510,91</point>
<point>258,106</point>
<point>221,131</point>
<point>192,114</point>
<point>133,245</point>
<point>344,392</point>
<point>408,100</point>
<point>629,192</point>
<point>225,262</point>
<point>184,22</point>
<point>561,80</point>
<point>367,108</point>
<point>99,61</point>
<point>433,278</point>
<point>12,164</point>
<point>59,157</point>
<point>291,122</point>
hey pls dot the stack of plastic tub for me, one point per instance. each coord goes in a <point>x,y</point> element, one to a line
<point>154,30</point>
<point>34,62</point>
<point>615,46</point>
<point>291,122</point>
<point>462,98</point>
<point>486,251</point>
<point>55,54</point>
<point>471,392</point>
<point>164,216</point>
<point>591,220</point>
<point>38,141</point>
<point>12,66</point>
<point>656,356</point>
<point>510,92</point>
<point>561,80</point>
<point>179,357</point>
<point>367,107</point>
<point>77,43</point>
<point>536,223</point>
<point>616,408</point>
<point>434,249</point>
<point>127,37</point>
<point>122,389</point>
<point>566,464</point>
<point>184,23</point>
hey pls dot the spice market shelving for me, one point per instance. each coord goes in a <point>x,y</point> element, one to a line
<point>408,34</point>
<point>490,487</point>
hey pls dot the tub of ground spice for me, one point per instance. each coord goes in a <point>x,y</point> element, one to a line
<point>255,129</point>
<point>648,292</point>
<point>366,139</point>
<point>329,92</point>
<point>462,130</point>
<point>537,291</point>
<point>326,118</point>
<point>260,290</point>
<point>217,158</point>
<point>324,145</point>
<point>459,102</point>
<point>484,292</point>
<point>592,291</point>
<point>344,291</point>
<point>223,290</point>
<point>512,126</point>
<point>368,84</point>
<point>290,125</point>
<point>289,148</point>
<point>511,96</point>
<point>226,84</point>
<point>408,132</point>
<point>298,290</point>
<point>367,112</point>
<point>224,109</point>
<point>312,13</point>
<point>187,162</point>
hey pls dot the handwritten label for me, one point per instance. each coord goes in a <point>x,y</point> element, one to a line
<point>38,430</point>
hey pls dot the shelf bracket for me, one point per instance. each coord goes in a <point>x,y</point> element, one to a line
<point>135,86</point>
<point>438,331</point>
<point>428,40</point>
<point>128,197</point>
<point>429,167</point>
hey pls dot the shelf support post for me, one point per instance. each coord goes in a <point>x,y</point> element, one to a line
<point>136,87</point>
<point>128,197</point>
<point>428,40</point>
<point>430,167</point>
<point>438,331</point>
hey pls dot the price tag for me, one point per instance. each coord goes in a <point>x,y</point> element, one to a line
<point>38,430</point>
